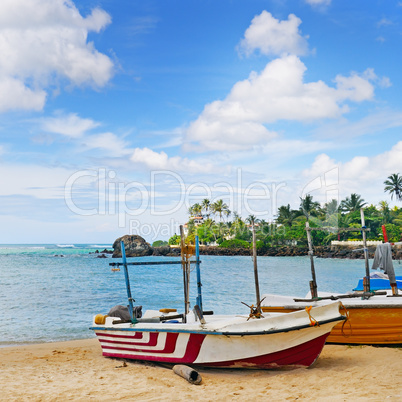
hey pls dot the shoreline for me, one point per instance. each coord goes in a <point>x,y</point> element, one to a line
<point>279,251</point>
<point>76,370</point>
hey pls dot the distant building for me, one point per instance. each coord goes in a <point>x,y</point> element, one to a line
<point>198,220</point>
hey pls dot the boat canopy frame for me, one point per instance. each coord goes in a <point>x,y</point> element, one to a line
<point>185,264</point>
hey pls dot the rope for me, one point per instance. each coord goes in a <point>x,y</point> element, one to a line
<point>254,312</point>
<point>188,250</point>
<point>313,321</point>
<point>346,321</point>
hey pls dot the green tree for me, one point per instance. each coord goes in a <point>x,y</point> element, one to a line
<point>385,212</point>
<point>206,206</point>
<point>220,208</point>
<point>174,240</point>
<point>286,215</point>
<point>331,208</point>
<point>393,185</point>
<point>374,220</point>
<point>195,210</point>
<point>308,207</point>
<point>352,204</point>
<point>394,232</point>
<point>252,220</point>
<point>159,243</point>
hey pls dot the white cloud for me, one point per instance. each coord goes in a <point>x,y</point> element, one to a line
<point>32,180</point>
<point>277,93</point>
<point>274,37</point>
<point>15,95</point>
<point>375,122</point>
<point>109,142</point>
<point>286,150</point>
<point>319,2</point>
<point>161,161</point>
<point>384,82</point>
<point>362,174</point>
<point>43,41</point>
<point>384,22</point>
<point>77,129</point>
<point>70,125</point>
<point>355,88</point>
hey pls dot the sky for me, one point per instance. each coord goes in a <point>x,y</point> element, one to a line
<point>117,115</point>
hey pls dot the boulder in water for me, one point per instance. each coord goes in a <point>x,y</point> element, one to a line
<point>134,245</point>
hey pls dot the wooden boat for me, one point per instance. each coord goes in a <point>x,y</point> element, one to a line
<point>374,316</point>
<point>227,341</point>
<point>277,340</point>
<point>375,320</point>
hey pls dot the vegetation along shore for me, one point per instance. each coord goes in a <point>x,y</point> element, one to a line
<point>210,221</point>
<point>286,235</point>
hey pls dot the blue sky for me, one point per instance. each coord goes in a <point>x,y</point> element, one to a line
<point>115,116</point>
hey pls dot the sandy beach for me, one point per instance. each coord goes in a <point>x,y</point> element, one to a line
<point>77,371</point>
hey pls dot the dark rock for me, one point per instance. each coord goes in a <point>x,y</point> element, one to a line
<point>161,251</point>
<point>134,245</point>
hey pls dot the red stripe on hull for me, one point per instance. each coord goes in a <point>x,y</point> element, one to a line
<point>136,335</point>
<point>192,350</point>
<point>169,347</point>
<point>297,356</point>
<point>153,340</point>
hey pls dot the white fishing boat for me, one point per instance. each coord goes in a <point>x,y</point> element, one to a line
<point>232,341</point>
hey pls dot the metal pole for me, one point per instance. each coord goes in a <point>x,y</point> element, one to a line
<point>313,283</point>
<point>197,267</point>
<point>366,281</point>
<point>185,274</point>
<point>130,299</point>
<point>257,286</point>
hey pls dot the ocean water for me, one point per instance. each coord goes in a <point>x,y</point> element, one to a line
<point>51,292</point>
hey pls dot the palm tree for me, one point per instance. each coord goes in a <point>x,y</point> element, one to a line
<point>206,205</point>
<point>352,204</point>
<point>252,220</point>
<point>238,227</point>
<point>220,208</point>
<point>286,216</point>
<point>385,211</point>
<point>195,210</point>
<point>308,206</point>
<point>331,207</point>
<point>393,185</point>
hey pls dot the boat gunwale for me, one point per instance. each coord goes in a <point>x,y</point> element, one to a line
<point>228,333</point>
<point>295,307</point>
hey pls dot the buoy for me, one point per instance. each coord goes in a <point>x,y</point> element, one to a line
<point>100,319</point>
<point>189,374</point>
<point>115,269</point>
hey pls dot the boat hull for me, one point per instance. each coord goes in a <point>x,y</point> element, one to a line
<point>370,323</point>
<point>262,351</point>
<point>285,340</point>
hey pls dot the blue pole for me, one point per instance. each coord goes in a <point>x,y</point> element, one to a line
<point>130,299</point>
<point>197,265</point>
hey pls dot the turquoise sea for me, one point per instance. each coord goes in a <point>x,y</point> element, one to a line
<point>51,292</point>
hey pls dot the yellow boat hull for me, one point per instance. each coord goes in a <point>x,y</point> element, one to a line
<point>369,325</point>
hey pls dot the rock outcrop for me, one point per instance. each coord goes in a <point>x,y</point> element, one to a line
<point>134,245</point>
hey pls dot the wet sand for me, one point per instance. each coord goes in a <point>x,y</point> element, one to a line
<point>77,371</point>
